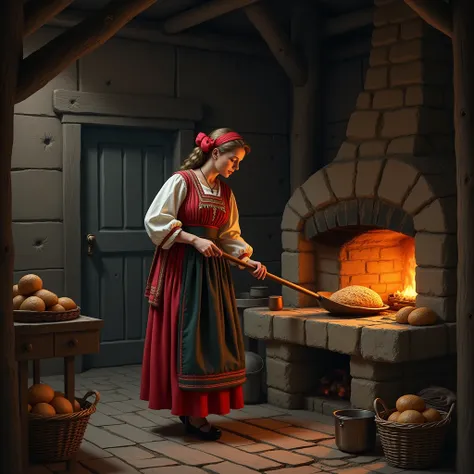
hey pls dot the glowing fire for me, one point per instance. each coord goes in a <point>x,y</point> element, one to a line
<point>409,285</point>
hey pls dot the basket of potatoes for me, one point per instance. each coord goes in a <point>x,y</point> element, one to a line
<point>56,426</point>
<point>412,435</point>
<point>34,304</point>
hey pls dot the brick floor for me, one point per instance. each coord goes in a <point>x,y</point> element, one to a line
<point>124,437</point>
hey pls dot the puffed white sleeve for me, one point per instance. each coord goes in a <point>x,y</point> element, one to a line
<point>230,235</point>
<point>161,222</point>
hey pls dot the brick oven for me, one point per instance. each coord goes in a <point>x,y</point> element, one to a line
<point>382,215</point>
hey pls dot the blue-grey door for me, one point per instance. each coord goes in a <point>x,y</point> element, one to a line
<point>122,169</point>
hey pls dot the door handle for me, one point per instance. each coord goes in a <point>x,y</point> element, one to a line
<point>90,244</point>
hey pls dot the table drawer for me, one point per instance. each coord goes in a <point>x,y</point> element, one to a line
<point>28,347</point>
<point>75,343</point>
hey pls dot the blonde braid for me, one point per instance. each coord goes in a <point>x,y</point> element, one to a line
<point>195,160</point>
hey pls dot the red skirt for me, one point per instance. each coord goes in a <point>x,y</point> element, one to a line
<point>159,382</point>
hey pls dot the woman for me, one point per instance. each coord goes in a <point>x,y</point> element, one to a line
<point>194,360</point>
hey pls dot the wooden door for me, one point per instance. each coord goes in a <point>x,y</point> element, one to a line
<point>121,172</point>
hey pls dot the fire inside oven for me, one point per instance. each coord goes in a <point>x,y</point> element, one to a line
<point>380,259</point>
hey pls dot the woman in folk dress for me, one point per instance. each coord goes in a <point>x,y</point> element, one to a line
<point>194,359</point>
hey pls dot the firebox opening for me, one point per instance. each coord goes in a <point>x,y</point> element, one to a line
<point>334,380</point>
<point>380,259</point>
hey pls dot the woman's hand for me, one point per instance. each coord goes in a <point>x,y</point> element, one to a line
<point>207,247</point>
<point>260,271</point>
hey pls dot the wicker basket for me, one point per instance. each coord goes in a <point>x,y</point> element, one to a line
<point>57,438</point>
<point>409,445</point>
<point>22,316</point>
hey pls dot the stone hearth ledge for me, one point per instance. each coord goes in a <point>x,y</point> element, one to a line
<point>375,338</point>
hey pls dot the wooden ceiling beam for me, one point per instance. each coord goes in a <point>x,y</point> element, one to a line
<point>38,12</point>
<point>436,13</point>
<point>279,43</point>
<point>41,66</point>
<point>202,13</point>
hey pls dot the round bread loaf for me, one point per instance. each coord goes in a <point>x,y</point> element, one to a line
<point>357,296</point>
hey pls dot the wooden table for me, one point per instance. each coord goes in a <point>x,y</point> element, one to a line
<point>37,341</point>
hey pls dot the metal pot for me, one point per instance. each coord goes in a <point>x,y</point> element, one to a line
<point>355,430</point>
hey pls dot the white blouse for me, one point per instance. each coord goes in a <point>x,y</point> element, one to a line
<point>161,219</point>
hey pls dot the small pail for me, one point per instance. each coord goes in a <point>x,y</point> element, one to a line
<point>355,430</point>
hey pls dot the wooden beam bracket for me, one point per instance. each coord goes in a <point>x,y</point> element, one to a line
<point>436,13</point>
<point>38,12</point>
<point>200,14</point>
<point>279,43</point>
<point>41,66</point>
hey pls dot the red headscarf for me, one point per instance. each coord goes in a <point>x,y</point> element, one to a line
<point>206,143</point>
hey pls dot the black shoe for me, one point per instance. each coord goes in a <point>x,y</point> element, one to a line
<point>213,434</point>
<point>183,419</point>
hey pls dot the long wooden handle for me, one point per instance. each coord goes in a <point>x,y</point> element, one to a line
<point>282,281</point>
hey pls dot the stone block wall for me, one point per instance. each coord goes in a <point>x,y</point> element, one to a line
<point>406,105</point>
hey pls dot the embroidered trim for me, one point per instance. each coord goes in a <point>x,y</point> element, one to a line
<point>208,201</point>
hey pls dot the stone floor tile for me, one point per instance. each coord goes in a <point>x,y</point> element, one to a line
<point>142,404</point>
<point>304,433</point>
<point>173,470</point>
<point>124,407</point>
<point>108,466</point>
<point>227,467</point>
<point>334,462</point>
<point>266,436</point>
<point>236,456</point>
<point>295,470</point>
<point>135,420</point>
<point>307,423</point>
<point>268,423</point>
<point>287,457</point>
<point>329,443</point>
<point>234,440</point>
<point>157,418</point>
<point>239,415</point>
<point>353,470</point>
<point>365,459</point>
<point>112,396</point>
<point>130,452</point>
<point>257,448</point>
<point>153,462</point>
<point>272,407</point>
<point>183,454</point>
<point>108,410</point>
<point>99,419</point>
<point>102,438</point>
<point>322,452</point>
<point>133,433</point>
<point>91,451</point>
<point>260,411</point>
<point>141,458</point>
<point>382,467</point>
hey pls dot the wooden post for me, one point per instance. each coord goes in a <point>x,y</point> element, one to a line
<point>306,112</point>
<point>11,30</point>
<point>463,55</point>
